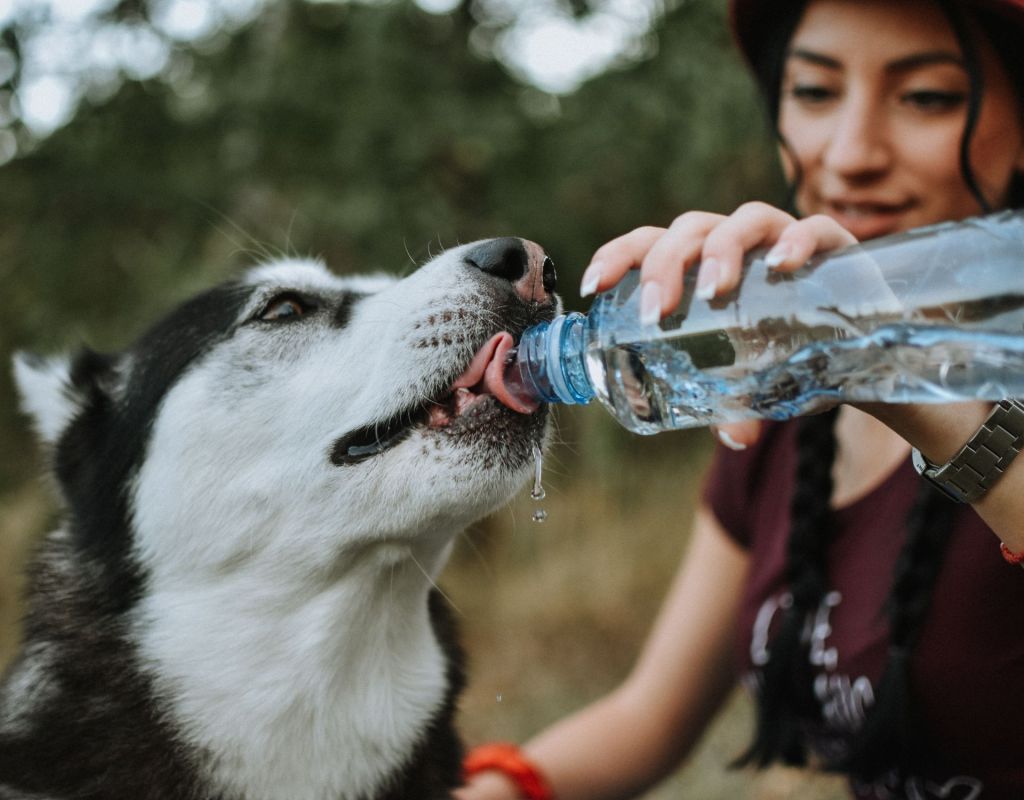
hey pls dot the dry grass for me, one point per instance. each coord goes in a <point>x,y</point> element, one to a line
<point>553,614</point>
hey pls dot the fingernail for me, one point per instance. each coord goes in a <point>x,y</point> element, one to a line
<point>591,277</point>
<point>728,441</point>
<point>707,279</point>
<point>778,254</point>
<point>650,304</point>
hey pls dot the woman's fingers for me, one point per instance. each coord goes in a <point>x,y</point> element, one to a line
<point>801,239</point>
<point>738,435</point>
<point>721,260</point>
<point>616,258</point>
<point>661,273</point>
<point>718,242</point>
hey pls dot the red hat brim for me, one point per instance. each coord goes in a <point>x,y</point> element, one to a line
<point>748,17</point>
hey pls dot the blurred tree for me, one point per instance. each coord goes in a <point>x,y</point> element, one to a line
<point>366,134</point>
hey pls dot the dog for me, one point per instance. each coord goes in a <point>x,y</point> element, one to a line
<point>259,495</point>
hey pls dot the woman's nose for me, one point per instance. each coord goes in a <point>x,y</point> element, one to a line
<point>858,146</point>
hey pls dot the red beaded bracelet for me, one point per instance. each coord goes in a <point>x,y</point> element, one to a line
<point>1010,556</point>
<point>510,761</point>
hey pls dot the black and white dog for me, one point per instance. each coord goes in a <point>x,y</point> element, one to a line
<point>259,495</point>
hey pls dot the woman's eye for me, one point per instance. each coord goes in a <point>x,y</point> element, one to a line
<point>285,307</point>
<point>933,100</point>
<point>812,94</point>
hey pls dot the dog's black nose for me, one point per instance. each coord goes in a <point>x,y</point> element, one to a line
<point>503,258</point>
<point>520,262</point>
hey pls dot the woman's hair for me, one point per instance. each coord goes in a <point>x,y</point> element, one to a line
<point>785,701</point>
<point>1006,40</point>
<point>886,740</point>
<point>768,61</point>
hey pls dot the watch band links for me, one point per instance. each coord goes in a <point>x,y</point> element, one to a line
<point>981,462</point>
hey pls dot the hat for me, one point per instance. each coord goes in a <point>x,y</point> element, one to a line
<point>751,18</point>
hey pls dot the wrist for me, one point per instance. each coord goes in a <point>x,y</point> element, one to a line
<point>938,430</point>
<point>488,785</point>
<point>513,767</point>
<point>981,462</point>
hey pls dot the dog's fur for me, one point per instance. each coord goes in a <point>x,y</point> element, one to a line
<point>259,497</point>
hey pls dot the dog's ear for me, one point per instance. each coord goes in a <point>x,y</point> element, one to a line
<point>55,390</point>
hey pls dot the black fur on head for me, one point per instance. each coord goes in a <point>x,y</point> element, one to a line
<point>104,444</point>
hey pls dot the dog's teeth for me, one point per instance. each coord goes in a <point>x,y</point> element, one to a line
<point>463,399</point>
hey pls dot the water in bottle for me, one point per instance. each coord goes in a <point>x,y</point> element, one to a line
<point>935,314</point>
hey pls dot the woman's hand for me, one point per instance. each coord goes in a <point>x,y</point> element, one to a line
<point>718,244</point>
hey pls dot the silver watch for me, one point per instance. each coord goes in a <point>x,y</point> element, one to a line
<point>980,463</point>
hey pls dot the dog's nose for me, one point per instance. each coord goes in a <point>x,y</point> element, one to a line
<point>522,263</point>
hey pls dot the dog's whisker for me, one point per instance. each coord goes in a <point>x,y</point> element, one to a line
<point>435,585</point>
<point>412,266</point>
<point>259,250</point>
<point>466,536</point>
<point>288,235</point>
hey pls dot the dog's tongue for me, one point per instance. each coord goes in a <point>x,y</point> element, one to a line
<point>486,372</point>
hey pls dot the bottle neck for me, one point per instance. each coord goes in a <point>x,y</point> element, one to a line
<point>549,362</point>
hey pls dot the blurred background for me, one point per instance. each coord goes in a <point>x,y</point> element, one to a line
<point>149,148</point>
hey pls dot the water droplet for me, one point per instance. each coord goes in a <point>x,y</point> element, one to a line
<point>537,493</point>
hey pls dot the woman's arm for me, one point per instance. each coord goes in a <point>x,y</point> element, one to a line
<point>633,737</point>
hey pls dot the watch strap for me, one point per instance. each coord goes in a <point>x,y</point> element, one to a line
<point>981,462</point>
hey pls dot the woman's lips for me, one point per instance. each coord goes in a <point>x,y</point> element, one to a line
<point>868,219</point>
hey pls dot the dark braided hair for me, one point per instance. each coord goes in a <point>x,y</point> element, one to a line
<point>785,699</point>
<point>785,689</point>
<point>886,738</point>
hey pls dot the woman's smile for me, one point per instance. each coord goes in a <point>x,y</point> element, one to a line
<point>868,218</point>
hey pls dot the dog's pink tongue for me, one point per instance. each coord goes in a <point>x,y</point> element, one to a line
<point>487,372</point>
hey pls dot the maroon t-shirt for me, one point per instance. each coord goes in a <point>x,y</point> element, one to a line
<point>967,669</point>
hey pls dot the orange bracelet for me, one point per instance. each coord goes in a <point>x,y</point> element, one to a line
<point>510,761</point>
<point>1010,556</point>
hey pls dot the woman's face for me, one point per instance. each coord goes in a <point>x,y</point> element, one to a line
<point>873,107</point>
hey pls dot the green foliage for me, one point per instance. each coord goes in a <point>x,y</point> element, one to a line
<point>373,135</point>
<point>370,135</point>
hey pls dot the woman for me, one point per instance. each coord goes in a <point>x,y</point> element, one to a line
<point>875,620</point>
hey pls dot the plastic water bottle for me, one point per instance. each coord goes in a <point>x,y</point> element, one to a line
<point>935,314</point>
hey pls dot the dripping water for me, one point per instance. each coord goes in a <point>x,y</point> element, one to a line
<point>537,493</point>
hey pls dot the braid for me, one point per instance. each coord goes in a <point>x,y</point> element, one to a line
<point>885,740</point>
<point>785,694</point>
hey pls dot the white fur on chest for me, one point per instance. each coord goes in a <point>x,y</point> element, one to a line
<point>305,696</point>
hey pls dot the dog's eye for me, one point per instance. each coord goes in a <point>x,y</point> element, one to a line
<point>284,308</point>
